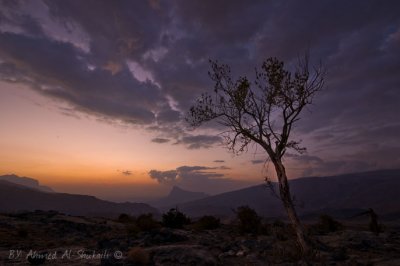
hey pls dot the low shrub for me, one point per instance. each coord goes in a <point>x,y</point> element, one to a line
<point>327,224</point>
<point>146,222</point>
<point>278,223</point>
<point>22,232</point>
<point>207,222</point>
<point>249,221</point>
<point>138,256</point>
<point>125,218</point>
<point>132,229</point>
<point>175,219</point>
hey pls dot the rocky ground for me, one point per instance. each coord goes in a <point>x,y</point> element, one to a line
<point>56,239</point>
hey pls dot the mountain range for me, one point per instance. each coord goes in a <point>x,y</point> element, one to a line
<point>342,195</point>
<point>176,196</point>
<point>16,198</point>
<point>25,181</point>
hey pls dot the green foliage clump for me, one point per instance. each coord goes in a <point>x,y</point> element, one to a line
<point>249,221</point>
<point>207,222</point>
<point>175,219</point>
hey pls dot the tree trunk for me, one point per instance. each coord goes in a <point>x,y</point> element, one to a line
<point>291,211</point>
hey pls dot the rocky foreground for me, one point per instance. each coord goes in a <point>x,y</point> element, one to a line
<point>51,238</point>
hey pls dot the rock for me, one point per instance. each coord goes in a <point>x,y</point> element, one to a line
<point>181,255</point>
<point>162,236</point>
<point>111,261</point>
<point>249,244</point>
<point>37,259</point>
<point>230,253</point>
<point>240,253</point>
<point>340,254</point>
<point>252,257</point>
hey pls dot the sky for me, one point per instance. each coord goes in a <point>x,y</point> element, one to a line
<point>93,94</point>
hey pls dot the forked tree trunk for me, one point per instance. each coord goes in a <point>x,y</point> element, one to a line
<point>291,211</point>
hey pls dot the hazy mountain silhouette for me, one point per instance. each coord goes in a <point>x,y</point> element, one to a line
<point>25,181</point>
<point>177,195</point>
<point>15,198</point>
<point>342,195</point>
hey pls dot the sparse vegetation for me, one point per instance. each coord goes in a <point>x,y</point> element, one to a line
<point>175,219</point>
<point>207,222</point>
<point>146,222</point>
<point>138,256</point>
<point>281,231</point>
<point>22,232</point>
<point>225,246</point>
<point>132,229</point>
<point>125,218</point>
<point>249,221</point>
<point>134,225</point>
<point>327,224</point>
<point>263,112</point>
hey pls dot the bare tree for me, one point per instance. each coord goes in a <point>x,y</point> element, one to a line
<point>264,113</point>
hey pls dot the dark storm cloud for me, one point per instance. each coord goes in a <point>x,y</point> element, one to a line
<point>198,178</point>
<point>97,81</point>
<point>145,62</point>
<point>64,76</point>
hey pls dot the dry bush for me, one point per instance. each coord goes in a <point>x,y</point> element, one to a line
<point>207,222</point>
<point>249,221</point>
<point>138,256</point>
<point>125,218</point>
<point>175,219</point>
<point>146,222</point>
<point>326,224</point>
<point>132,229</point>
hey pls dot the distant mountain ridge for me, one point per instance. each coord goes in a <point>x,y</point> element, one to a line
<point>177,195</point>
<point>16,198</point>
<point>26,181</point>
<point>379,190</point>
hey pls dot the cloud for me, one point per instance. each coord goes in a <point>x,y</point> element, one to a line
<point>257,161</point>
<point>199,141</point>
<point>304,158</point>
<point>160,140</point>
<point>198,178</point>
<point>98,81</point>
<point>145,62</point>
<point>164,176</point>
<point>126,172</point>
<point>219,161</point>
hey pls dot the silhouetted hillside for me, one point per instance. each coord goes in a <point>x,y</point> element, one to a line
<point>15,198</point>
<point>26,181</point>
<point>344,194</point>
<point>178,195</point>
